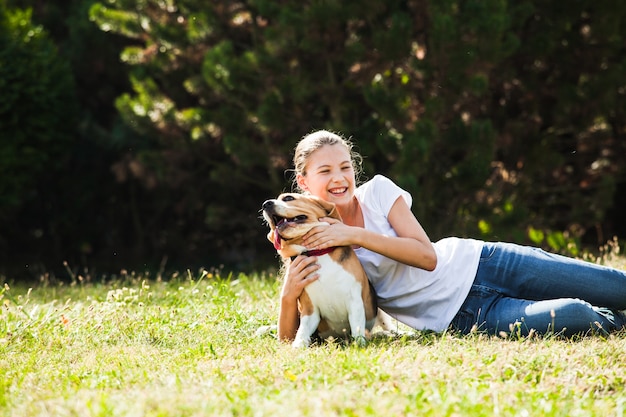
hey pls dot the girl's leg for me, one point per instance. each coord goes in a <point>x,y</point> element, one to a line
<point>568,316</point>
<point>532,274</point>
<point>490,311</point>
<point>541,291</point>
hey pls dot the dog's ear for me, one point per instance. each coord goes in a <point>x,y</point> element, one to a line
<point>334,213</point>
<point>331,209</point>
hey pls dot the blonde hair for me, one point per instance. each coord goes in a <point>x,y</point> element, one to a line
<point>314,141</point>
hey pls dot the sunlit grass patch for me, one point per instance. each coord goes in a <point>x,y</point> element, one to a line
<point>187,344</point>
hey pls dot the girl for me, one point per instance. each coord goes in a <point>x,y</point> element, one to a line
<point>462,284</point>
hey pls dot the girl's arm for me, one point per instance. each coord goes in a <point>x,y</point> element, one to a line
<point>412,245</point>
<point>299,274</point>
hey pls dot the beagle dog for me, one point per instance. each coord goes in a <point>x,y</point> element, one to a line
<point>341,300</point>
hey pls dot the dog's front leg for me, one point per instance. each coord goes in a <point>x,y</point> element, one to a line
<point>356,317</point>
<point>308,325</point>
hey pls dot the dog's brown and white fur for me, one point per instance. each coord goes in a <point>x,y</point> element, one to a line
<point>342,297</point>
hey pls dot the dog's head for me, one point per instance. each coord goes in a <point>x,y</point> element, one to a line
<point>290,216</point>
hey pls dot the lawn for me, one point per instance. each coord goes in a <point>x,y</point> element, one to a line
<point>193,344</point>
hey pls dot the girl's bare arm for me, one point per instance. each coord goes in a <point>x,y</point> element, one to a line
<point>412,246</point>
<point>300,273</point>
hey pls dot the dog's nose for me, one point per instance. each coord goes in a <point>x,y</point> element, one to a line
<point>268,204</point>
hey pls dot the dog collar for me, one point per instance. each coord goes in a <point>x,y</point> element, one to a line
<point>316,252</point>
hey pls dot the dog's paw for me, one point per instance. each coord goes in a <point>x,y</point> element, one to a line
<point>360,341</point>
<point>300,344</point>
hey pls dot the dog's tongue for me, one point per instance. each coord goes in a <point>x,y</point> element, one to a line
<point>277,244</point>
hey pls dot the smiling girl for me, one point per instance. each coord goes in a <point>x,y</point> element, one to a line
<point>452,283</point>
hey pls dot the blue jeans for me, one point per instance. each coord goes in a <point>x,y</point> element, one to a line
<point>541,291</point>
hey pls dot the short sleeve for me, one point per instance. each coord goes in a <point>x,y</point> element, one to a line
<point>382,193</point>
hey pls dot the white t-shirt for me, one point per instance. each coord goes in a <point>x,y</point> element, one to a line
<point>424,300</point>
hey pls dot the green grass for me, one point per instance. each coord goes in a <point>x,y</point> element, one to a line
<point>188,346</point>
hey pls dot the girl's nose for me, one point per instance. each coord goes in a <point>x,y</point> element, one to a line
<point>337,177</point>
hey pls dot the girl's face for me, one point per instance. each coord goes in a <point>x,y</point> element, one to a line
<point>329,174</point>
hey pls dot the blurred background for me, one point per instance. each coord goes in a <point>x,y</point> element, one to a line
<point>146,134</point>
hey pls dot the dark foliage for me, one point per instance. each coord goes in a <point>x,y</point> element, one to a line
<point>501,118</point>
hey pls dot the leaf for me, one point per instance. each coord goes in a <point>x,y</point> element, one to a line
<point>535,235</point>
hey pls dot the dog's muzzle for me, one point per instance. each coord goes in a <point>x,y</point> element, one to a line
<point>278,222</point>
<point>269,212</point>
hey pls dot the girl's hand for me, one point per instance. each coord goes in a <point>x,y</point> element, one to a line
<point>300,273</point>
<point>322,237</point>
<point>410,245</point>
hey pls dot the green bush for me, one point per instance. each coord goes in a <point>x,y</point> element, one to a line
<point>36,111</point>
<point>497,116</point>
<point>37,121</point>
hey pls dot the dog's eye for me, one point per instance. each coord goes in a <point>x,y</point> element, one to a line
<point>288,198</point>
